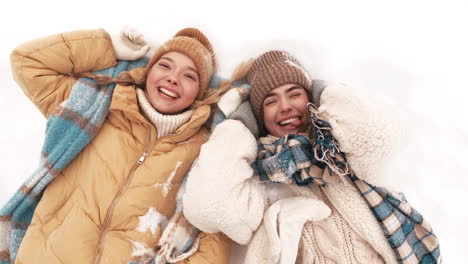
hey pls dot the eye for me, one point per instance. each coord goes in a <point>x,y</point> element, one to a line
<point>191,77</point>
<point>295,95</point>
<point>164,65</point>
<point>269,102</point>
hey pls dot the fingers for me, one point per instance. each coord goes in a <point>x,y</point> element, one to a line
<point>136,38</point>
<point>136,54</point>
<point>300,209</point>
<point>133,35</point>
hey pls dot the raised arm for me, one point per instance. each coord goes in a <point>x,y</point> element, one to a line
<point>44,67</point>
<point>367,130</point>
<point>221,194</point>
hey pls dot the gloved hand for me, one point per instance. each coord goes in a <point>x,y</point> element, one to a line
<point>235,106</point>
<point>129,44</point>
<point>277,239</point>
<point>294,212</point>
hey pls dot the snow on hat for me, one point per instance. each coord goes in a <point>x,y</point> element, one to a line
<point>272,70</point>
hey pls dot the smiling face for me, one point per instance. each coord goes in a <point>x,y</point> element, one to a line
<point>173,83</point>
<point>285,110</point>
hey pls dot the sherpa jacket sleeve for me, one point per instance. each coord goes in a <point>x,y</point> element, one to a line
<point>366,129</point>
<point>43,67</point>
<point>221,195</point>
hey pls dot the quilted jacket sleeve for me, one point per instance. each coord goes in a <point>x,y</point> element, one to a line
<point>43,67</point>
<point>213,249</point>
<point>221,195</point>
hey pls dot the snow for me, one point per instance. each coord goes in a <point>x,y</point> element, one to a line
<point>152,220</point>
<point>141,250</point>
<point>293,64</point>
<point>413,53</point>
<point>166,187</point>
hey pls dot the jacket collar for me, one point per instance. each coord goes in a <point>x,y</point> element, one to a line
<point>125,100</point>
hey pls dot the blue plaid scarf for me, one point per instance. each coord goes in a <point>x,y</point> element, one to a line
<point>70,128</point>
<point>292,160</point>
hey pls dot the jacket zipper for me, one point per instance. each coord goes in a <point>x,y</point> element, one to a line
<point>110,210</point>
<point>147,149</point>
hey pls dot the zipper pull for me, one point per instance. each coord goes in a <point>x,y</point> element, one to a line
<point>142,158</point>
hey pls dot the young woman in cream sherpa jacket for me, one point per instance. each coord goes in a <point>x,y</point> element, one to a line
<point>287,223</point>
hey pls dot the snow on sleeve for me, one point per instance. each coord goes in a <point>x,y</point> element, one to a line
<point>142,251</point>
<point>151,220</point>
<point>166,187</point>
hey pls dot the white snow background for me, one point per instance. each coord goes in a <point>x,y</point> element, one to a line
<point>413,54</point>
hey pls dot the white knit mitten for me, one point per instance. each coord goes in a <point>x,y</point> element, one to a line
<point>277,239</point>
<point>230,101</point>
<point>129,44</point>
<point>294,213</point>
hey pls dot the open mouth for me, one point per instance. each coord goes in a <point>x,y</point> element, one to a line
<point>293,121</point>
<point>168,93</point>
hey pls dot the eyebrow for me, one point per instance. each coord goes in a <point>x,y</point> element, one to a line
<point>290,89</point>
<point>171,60</point>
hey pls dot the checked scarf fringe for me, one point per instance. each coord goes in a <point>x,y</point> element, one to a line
<point>292,159</point>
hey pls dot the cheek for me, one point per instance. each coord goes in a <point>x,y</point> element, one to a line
<point>269,116</point>
<point>153,76</point>
<point>301,106</point>
<point>304,110</point>
<point>191,90</point>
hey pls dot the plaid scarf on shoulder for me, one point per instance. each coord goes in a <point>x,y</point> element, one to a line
<point>70,128</point>
<point>293,159</point>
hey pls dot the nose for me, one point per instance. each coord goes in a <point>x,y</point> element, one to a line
<point>171,78</point>
<point>284,105</point>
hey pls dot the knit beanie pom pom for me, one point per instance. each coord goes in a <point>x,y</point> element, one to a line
<point>194,44</point>
<point>198,35</point>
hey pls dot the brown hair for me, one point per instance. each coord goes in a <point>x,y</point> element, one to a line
<point>212,95</point>
<point>124,78</point>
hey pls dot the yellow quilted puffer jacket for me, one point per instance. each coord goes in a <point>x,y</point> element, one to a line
<point>109,204</point>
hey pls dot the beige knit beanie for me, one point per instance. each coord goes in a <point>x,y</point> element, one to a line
<point>271,70</point>
<point>192,43</point>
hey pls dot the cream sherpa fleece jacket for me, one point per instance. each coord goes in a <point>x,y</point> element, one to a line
<point>221,194</point>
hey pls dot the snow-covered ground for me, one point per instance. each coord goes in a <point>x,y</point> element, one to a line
<point>412,53</point>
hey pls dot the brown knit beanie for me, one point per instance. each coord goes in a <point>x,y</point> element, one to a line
<point>192,43</point>
<point>271,70</point>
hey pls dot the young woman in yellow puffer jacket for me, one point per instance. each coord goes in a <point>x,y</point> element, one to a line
<point>111,203</point>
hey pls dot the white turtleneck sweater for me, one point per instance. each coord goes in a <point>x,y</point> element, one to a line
<point>165,124</point>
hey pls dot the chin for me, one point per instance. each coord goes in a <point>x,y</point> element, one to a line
<point>165,111</point>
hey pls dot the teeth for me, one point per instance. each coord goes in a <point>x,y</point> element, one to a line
<point>168,93</point>
<point>287,121</point>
